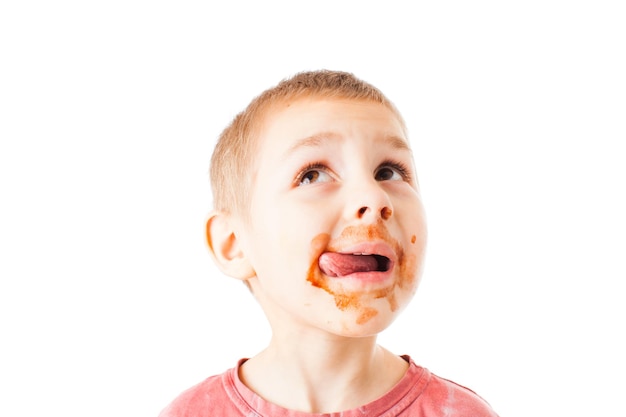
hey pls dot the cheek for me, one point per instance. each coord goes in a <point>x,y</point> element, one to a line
<point>413,261</point>
<point>282,248</point>
<point>409,273</point>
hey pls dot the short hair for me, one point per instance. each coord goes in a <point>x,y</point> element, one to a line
<point>231,162</point>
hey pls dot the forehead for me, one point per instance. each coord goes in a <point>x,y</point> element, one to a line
<point>314,121</point>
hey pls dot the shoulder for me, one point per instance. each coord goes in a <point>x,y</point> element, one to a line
<point>207,398</point>
<point>453,399</point>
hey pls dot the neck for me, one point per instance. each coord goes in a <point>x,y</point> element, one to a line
<point>330,372</point>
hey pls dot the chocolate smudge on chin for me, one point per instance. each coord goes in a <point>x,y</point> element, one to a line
<point>366,315</point>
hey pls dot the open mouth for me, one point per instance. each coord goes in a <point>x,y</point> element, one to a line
<point>336,264</point>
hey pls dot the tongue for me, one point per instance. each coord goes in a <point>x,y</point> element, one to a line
<point>340,264</point>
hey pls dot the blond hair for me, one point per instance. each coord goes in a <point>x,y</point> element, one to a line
<point>232,157</point>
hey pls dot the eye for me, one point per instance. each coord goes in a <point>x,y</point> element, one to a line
<point>387,174</point>
<point>392,171</point>
<point>312,174</point>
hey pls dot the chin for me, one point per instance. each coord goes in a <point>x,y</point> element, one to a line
<point>363,323</point>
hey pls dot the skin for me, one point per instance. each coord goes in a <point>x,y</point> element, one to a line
<point>324,328</point>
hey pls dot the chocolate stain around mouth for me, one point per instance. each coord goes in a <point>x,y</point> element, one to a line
<point>406,267</point>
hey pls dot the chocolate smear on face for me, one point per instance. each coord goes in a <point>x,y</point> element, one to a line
<point>406,269</point>
<point>366,315</point>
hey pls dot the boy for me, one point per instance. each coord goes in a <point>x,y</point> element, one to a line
<point>318,211</point>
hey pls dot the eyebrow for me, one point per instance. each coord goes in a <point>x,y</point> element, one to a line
<point>397,143</point>
<point>318,139</point>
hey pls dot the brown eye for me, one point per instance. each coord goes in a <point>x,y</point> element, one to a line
<point>388,174</point>
<point>312,176</point>
<point>309,177</point>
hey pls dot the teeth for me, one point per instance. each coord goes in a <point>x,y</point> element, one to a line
<point>361,253</point>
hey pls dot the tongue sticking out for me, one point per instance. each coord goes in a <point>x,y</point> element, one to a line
<point>341,264</point>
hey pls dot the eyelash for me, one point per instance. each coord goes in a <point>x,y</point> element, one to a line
<point>309,167</point>
<point>402,169</point>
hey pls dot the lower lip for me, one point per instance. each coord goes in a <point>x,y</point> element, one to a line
<point>360,278</point>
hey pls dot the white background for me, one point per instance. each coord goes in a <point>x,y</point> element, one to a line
<point>109,303</point>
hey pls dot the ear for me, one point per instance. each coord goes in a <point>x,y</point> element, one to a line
<point>225,247</point>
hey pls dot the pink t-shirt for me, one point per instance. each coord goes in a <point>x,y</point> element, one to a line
<point>418,394</point>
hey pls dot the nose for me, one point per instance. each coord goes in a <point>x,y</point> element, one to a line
<point>385,212</point>
<point>370,203</point>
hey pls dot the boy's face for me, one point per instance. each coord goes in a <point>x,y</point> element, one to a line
<point>336,231</point>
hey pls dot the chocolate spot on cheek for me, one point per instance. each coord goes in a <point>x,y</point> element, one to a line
<point>314,276</point>
<point>318,244</point>
<point>408,271</point>
<point>391,298</point>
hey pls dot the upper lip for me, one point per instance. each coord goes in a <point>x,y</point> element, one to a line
<point>381,248</point>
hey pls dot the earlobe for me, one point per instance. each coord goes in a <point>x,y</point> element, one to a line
<point>225,247</point>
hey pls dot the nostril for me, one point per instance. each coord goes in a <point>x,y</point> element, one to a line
<point>385,213</point>
<point>362,211</point>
